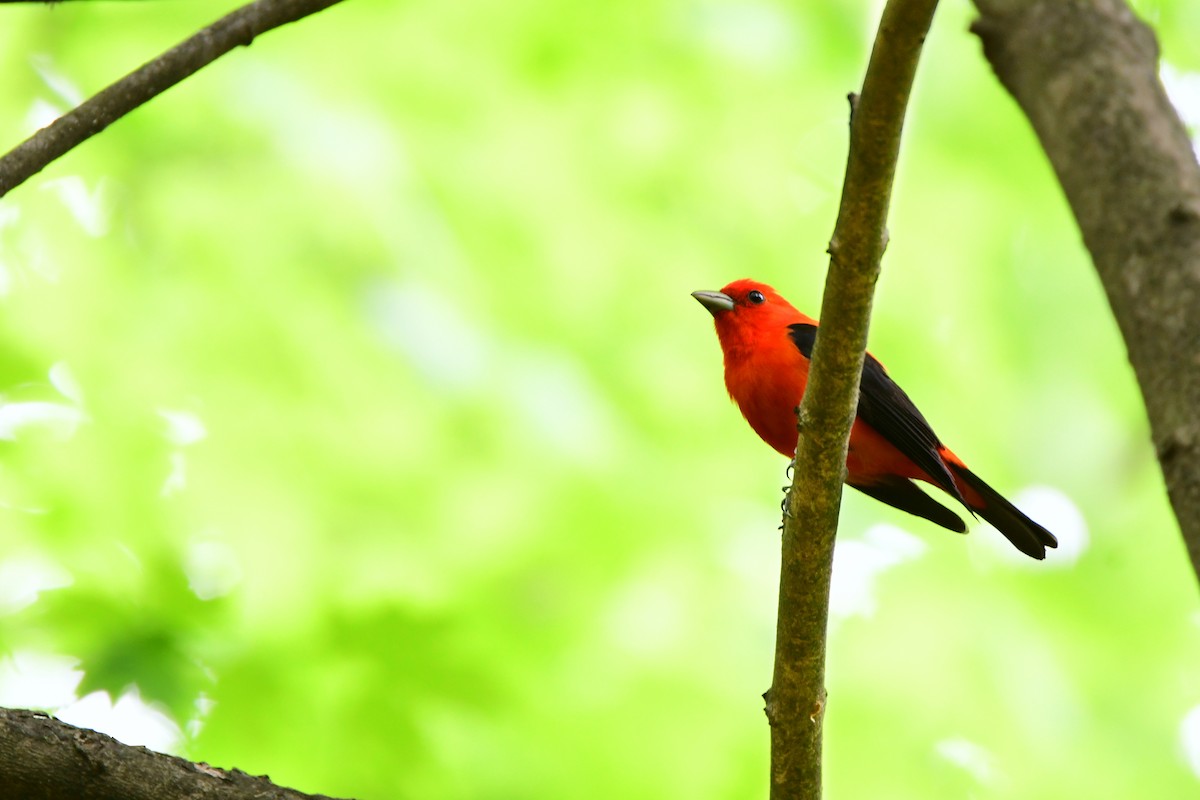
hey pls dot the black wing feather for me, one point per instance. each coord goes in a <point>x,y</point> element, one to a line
<point>885,407</point>
<point>905,495</point>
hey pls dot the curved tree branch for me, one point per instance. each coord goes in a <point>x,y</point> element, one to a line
<point>151,79</point>
<point>1085,74</point>
<point>44,759</point>
<point>796,700</point>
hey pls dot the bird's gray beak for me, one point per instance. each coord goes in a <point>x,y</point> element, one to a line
<point>715,302</point>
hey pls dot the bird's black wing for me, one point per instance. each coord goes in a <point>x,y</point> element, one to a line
<point>903,494</point>
<point>885,407</point>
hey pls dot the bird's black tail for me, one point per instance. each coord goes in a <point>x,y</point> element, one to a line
<point>1025,534</point>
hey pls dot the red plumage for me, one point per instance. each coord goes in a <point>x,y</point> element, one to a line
<point>767,344</point>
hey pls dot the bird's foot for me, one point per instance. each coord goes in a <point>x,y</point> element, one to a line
<point>787,490</point>
<point>783,504</point>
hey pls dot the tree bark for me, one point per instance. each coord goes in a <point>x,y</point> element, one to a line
<point>44,759</point>
<point>1085,74</point>
<point>796,700</point>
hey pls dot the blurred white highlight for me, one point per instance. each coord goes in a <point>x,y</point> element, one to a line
<point>1057,513</point>
<point>204,707</point>
<point>38,680</point>
<point>212,568</point>
<point>177,478</point>
<point>1189,737</point>
<point>183,427</point>
<point>858,563</point>
<point>56,81</point>
<point>58,420</point>
<point>87,206</point>
<point>41,113</point>
<point>130,720</point>
<point>24,577</point>
<point>9,216</point>
<point>969,757</point>
<point>62,379</point>
<point>1183,90</point>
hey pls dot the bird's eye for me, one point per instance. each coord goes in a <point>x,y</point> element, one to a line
<point>756,297</point>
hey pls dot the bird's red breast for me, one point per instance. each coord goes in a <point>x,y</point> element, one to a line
<point>767,344</point>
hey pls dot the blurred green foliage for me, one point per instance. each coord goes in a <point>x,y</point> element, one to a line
<point>355,406</point>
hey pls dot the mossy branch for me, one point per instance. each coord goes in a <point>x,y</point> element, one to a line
<point>796,700</point>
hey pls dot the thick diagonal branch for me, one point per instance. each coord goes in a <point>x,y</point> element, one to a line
<point>796,701</point>
<point>41,757</point>
<point>1085,72</point>
<point>151,79</point>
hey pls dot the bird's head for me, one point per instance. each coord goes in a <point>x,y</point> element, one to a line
<point>745,309</point>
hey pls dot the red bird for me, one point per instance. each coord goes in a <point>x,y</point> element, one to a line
<point>767,345</point>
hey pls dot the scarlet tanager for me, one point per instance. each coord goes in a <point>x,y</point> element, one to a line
<point>767,345</point>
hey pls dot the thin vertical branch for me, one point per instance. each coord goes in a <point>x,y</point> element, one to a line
<point>796,700</point>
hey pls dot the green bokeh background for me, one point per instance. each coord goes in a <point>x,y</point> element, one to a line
<point>471,516</point>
